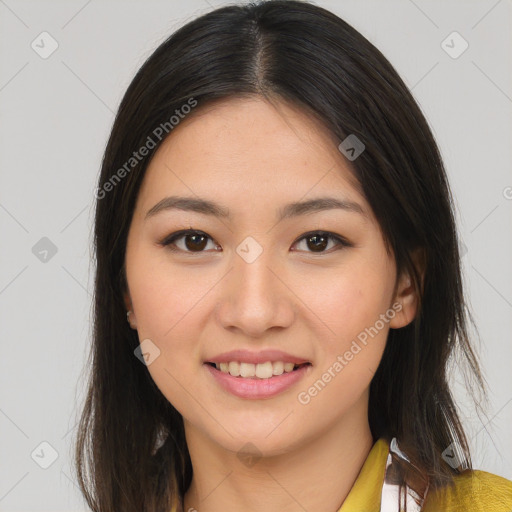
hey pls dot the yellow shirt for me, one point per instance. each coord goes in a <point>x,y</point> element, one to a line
<point>473,491</point>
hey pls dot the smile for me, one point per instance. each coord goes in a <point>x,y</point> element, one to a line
<point>251,386</point>
<point>260,371</point>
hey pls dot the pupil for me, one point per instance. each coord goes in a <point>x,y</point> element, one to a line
<point>316,243</point>
<point>194,244</point>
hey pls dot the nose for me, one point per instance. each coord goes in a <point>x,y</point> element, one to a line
<point>255,298</point>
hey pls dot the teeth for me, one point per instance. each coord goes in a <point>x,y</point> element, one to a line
<point>234,368</point>
<point>278,368</point>
<point>264,371</point>
<point>247,370</point>
<point>261,370</point>
<point>288,367</point>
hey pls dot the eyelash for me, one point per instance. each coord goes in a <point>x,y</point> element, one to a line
<point>170,239</point>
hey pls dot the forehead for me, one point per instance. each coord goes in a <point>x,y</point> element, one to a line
<point>252,151</point>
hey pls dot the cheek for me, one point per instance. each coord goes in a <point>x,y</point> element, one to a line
<point>349,299</point>
<point>163,296</point>
<point>168,307</point>
<point>163,301</point>
<point>351,302</point>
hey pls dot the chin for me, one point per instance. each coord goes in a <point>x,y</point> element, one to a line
<point>260,439</point>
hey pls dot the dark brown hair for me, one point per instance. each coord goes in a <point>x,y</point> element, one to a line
<point>131,453</point>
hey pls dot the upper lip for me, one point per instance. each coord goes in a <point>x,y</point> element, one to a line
<point>246,356</point>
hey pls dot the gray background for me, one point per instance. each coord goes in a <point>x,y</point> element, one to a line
<point>56,114</point>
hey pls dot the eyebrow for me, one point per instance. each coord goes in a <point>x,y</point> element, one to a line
<point>206,207</point>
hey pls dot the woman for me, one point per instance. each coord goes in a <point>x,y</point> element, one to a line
<point>275,223</point>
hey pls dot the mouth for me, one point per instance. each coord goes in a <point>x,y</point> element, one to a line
<point>257,381</point>
<point>260,371</point>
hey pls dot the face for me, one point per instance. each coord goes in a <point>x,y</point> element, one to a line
<point>259,276</point>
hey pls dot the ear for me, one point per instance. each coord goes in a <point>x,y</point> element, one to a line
<point>131,317</point>
<point>406,293</point>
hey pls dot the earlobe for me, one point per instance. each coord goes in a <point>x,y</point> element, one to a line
<point>407,298</point>
<point>407,294</point>
<point>130,315</point>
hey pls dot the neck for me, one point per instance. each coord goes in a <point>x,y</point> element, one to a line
<point>328,464</point>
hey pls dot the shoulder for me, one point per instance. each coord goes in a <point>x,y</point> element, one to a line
<point>477,491</point>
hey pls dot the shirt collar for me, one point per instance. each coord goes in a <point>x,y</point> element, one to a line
<point>365,494</point>
<point>376,490</point>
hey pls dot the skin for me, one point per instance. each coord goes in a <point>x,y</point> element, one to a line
<point>254,157</point>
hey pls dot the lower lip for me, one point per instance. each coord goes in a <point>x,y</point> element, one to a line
<point>257,388</point>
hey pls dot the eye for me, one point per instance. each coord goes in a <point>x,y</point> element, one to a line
<point>195,241</point>
<point>317,241</point>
